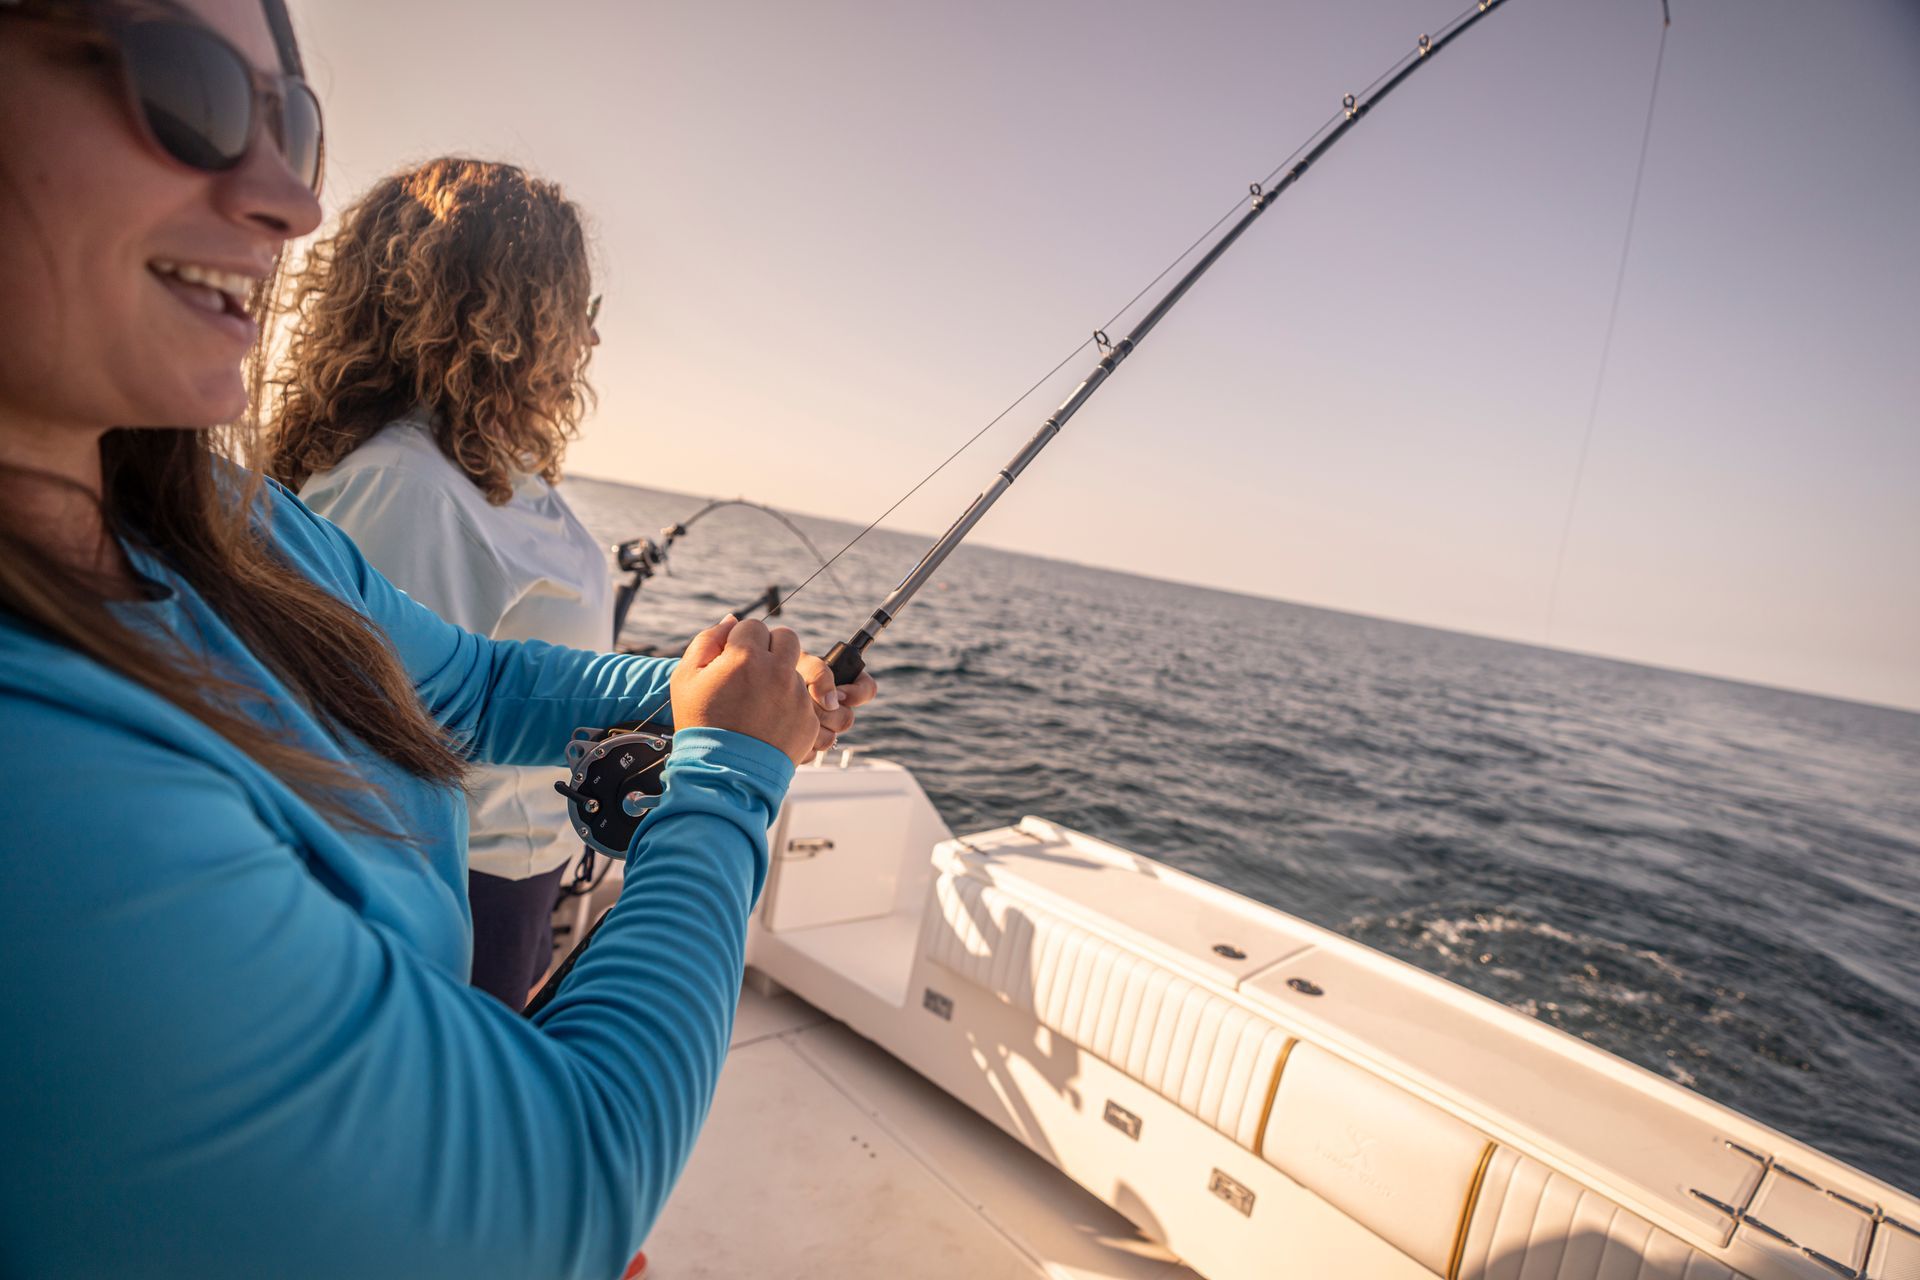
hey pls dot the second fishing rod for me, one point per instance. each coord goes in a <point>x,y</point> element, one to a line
<point>847,659</point>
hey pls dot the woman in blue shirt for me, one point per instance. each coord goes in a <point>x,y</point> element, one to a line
<point>238,1039</point>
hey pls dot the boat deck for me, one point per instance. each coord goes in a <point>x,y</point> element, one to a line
<point>825,1157</point>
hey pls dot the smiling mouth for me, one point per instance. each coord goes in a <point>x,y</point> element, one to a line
<point>216,292</point>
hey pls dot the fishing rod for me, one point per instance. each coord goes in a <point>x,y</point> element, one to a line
<point>644,557</point>
<point>847,659</point>
<point>614,779</point>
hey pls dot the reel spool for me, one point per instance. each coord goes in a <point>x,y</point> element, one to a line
<point>615,782</point>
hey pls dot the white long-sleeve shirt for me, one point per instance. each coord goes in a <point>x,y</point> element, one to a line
<point>528,570</point>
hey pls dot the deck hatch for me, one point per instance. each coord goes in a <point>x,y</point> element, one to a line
<point>1794,1210</point>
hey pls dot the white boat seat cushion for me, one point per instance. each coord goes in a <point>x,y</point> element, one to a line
<point>1206,1054</point>
<point>1532,1222</point>
<point>1399,1166</point>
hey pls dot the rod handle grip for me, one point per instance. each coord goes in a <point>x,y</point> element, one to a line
<point>845,663</point>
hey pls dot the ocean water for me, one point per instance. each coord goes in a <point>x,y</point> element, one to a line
<point>1716,881</point>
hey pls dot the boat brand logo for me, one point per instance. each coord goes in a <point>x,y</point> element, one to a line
<point>1357,1160</point>
<point>938,1005</point>
<point>1123,1120</point>
<point>1233,1192</point>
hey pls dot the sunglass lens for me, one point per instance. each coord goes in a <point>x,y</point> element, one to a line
<point>300,133</point>
<point>196,96</point>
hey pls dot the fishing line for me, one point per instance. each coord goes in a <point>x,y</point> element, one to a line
<point>1024,396</point>
<point>1613,315</point>
<point>1044,378</point>
<point>874,523</point>
<point>1028,393</point>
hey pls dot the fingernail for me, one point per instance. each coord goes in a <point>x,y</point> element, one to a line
<point>729,618</point>
<point>833,700</point>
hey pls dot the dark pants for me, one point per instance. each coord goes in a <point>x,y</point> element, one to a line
<point>512,932</point>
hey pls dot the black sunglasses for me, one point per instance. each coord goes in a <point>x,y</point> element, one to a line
<point>196,97</point>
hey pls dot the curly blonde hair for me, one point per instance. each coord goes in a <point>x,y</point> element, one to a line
<point>459,285</point>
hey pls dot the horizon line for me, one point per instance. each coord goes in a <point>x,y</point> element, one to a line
<point>1850,699</point>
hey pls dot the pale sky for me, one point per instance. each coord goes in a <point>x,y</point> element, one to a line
<point>836,238</point>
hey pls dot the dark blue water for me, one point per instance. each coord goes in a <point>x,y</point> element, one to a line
<point>1717,881</point>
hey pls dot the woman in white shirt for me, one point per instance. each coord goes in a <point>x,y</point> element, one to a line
<point>436,373</point>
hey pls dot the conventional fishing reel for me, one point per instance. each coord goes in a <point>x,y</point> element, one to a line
<point>613,784</point>
<point>615,781</point>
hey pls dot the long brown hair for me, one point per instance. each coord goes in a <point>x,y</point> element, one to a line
<point>459,285</point>
<point>177,493</point>
<point>173,492</point>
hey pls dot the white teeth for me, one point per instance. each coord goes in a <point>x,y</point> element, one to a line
<point>231,283</point>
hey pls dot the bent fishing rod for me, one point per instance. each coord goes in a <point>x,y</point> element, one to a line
<point>615,778</point>
<point>847,659</point>
<point>643,557</point>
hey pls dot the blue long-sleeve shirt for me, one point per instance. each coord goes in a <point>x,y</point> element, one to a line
<point>237,1040</point>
